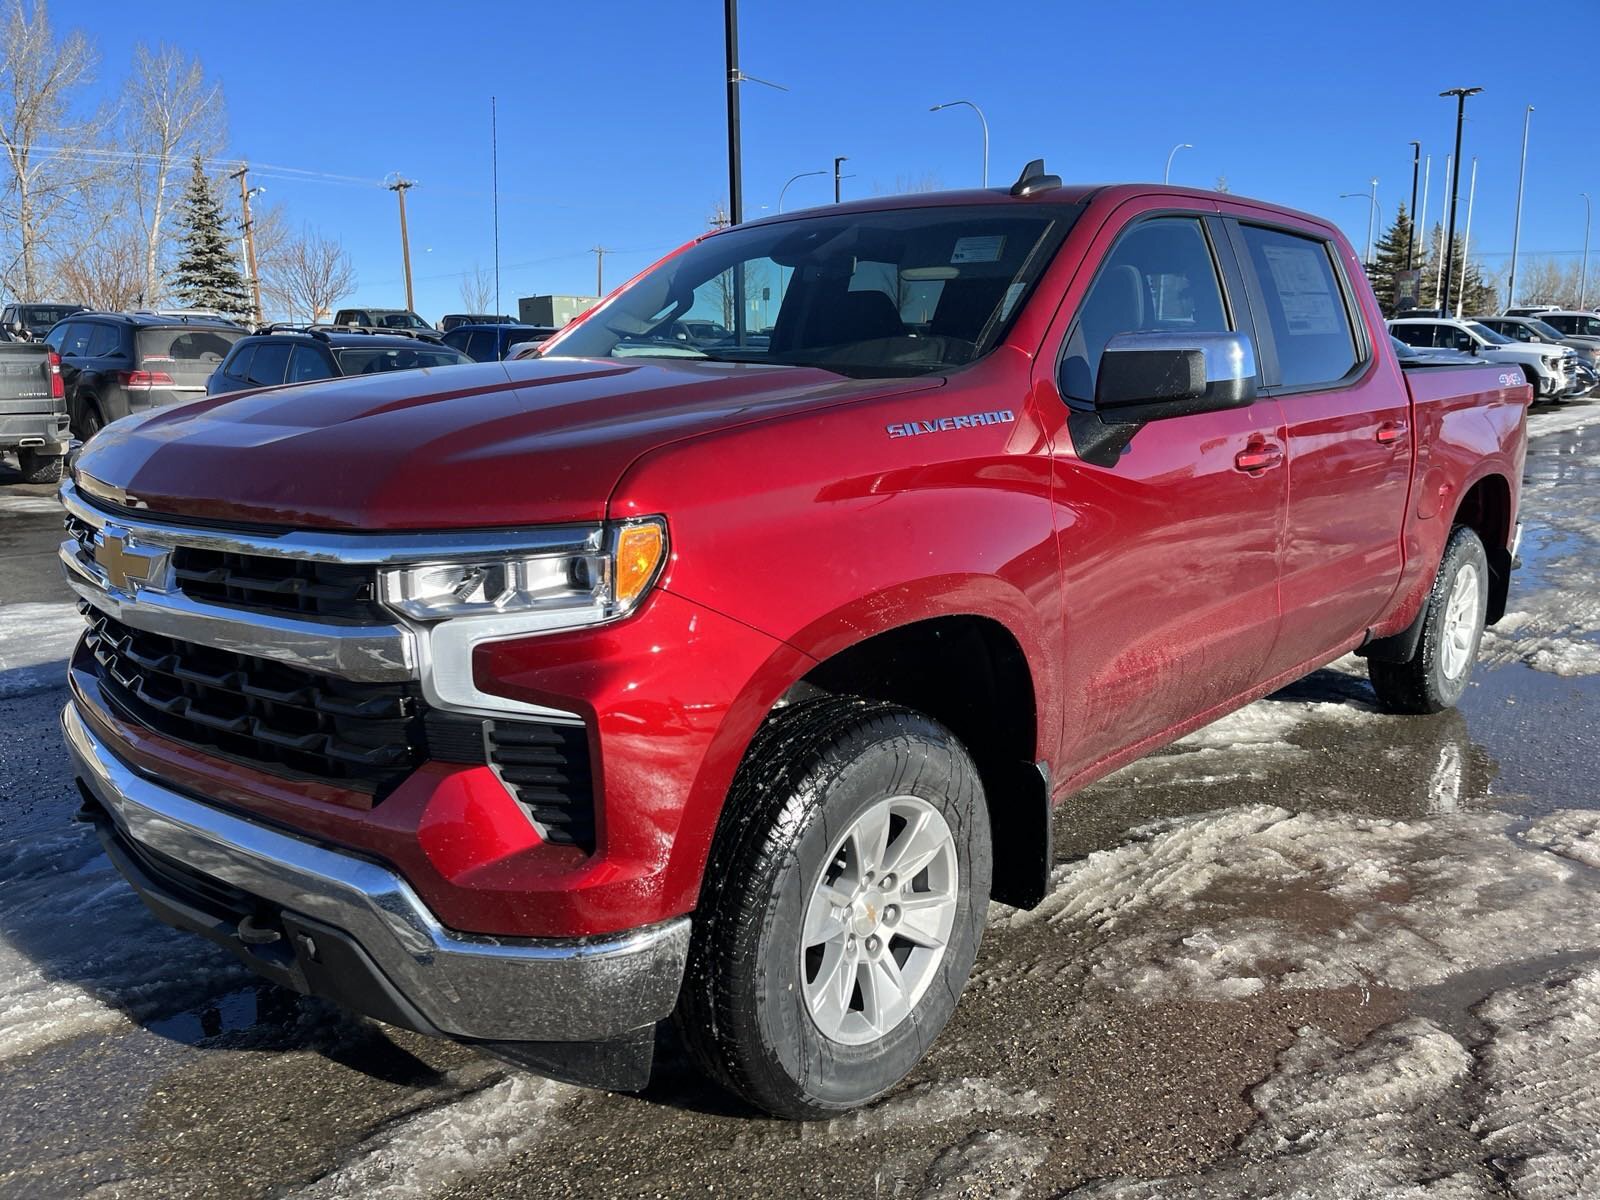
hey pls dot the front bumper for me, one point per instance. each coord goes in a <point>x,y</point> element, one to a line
<point>331,924</point>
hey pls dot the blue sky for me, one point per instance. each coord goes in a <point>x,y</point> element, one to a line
<point>612,123</point>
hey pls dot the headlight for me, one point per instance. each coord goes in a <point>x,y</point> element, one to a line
<point>603,580</point>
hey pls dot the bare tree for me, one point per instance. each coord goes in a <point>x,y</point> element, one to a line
<point>170,113</point>
<point>1545,281</point>
<point>310,274</point>
<point>477,290</point>
<point>107,274</point>
<point>50,162</point>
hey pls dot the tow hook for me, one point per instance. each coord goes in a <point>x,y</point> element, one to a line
<point>252,934</point>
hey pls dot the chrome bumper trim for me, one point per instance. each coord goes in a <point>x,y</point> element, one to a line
<point>473,987</point>
<point>364,653</point>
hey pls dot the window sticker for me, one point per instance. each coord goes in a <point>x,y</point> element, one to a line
<point>979,249</point>
<point>1303,288</point>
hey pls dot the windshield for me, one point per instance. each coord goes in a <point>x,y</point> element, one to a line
<point>1548,333</point>
<point>369,360</point>
<point>900,292</point>
<point>1488,335</point>
<point>401,320</point>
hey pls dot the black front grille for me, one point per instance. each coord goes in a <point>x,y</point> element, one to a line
<point>363,736</point>
<point>292,586</point>
<point>547,769</point>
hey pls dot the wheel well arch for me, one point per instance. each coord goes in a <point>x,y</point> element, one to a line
<point>970,674</point>
<point>1485,508</point>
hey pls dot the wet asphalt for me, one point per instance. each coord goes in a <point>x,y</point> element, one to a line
<point>251,1091</point>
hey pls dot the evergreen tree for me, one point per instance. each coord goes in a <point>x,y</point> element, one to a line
<point>206,274</point>
<point>1468,285</point>
<point>1389,256</point>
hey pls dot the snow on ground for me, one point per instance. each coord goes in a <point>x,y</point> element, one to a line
<point>1563,419</point>
<point>423,1153</point>
<point>79,952</point>
<point>1574,834</point>
<point>31,505</point>
<point>34,640</point>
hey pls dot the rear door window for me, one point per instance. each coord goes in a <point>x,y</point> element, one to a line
<point>239,365</point>
<point>75,339</point>
<point>103,341</point>
<point>1306,307</point>
<point>1414,335</point>
<point>481,346</point>
<point>270,364</point>
<point>308,364</point>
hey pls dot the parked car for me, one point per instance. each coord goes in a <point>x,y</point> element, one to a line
<point>382,318</point>
<point>289,356</point>
<point>33,410</point>
<point>1549,368</point>
<point>451,320</point>
<point>1542,333</point>
<point>491,343</point>
<point>1573,322</point>
<point>207,314</point>
<point>531,703</point>
<point>30,322</point>
<point>1532,310</point>
<point>113,364</point>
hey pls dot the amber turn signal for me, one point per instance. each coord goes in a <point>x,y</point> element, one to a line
<point>640,549</point>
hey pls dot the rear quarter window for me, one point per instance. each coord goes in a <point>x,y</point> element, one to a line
<point>1305,306</point>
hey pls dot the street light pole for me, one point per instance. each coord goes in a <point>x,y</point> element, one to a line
<point>1583,272</point>
<point>792,178</point>
<point>1166,176</point>
<point>836,175</point>
<point>1516,229</point>
<point>735,168</point>
<point>1419,219</point>
<point>984,121</point>
<point>1372,210</point>
<point>1461,95</point>
<point>1466,238</point>
<point>1411,242</point>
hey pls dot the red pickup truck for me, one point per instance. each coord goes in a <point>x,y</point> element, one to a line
<point>532,703</point>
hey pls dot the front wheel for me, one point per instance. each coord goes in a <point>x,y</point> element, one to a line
<point>1436,675</point>
<point>844,903</point>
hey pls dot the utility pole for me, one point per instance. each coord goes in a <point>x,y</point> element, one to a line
<point>1516,229</point>
<point>494,181</point>
<point>1466,238</point>
<point>836,176</point>
<point>247,226</point>
<point>1461,95</point>
<point>399,187</point>
<point>1583,274</point>
<point>599,253</point>
<point>1416,161</point>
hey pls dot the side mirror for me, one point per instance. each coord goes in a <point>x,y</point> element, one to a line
<point>1154,376</point>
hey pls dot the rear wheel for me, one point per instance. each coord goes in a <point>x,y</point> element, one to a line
<point>89,421</point>
<point>40,468</point>
<point>844,902</point>
<point>1436,675</point>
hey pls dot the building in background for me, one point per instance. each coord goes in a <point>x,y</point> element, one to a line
<point>553,310</point>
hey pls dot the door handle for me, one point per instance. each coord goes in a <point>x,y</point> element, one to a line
<point>1258,457</point>
<point>1391,432</point>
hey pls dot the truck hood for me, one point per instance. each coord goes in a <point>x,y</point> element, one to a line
<point>492,444</point>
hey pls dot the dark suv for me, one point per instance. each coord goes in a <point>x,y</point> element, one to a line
<point>450,320</point>
<point>383,318</point>
<point>306,355</point>
<point>30,322</point>
<point>113,364</point>
<point>491,343</point>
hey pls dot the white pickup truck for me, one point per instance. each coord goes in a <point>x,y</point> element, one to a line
<point>1549,369</point>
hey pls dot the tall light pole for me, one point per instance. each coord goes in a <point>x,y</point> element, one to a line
<point>1438,275</point>
<point>791,179</point>
<point>1516,229</point>
<point>1583,271</point>
<point>1461,95</point>
<point>1372,213</point>
<point>1166,176</point>
<point>1466,238</point>
<point>836,176</point>
<point>1416,158</point>
<point>730,29</point>
<point>984,121</point>
<point>1419,219</point>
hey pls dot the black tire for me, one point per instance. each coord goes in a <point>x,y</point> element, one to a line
<point>40,468</point>
<point>1423,684</point>
<point>89,421</point>
<point>813,769</point>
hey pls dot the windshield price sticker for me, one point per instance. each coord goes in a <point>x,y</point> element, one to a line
<point>979,249</point>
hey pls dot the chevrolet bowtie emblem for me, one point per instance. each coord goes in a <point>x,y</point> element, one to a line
<point>129,567</point>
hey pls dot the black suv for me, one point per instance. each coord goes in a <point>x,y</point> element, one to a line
<point>450,320</point>
<point>491,343</point>
<point>113,364</point>
<point>279,355</point>
<point>383,318</point>
<point>30,322</point>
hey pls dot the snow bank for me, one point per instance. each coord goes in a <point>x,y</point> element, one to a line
<point>993,1163</point>
<point>34,639</point>
<point>1574,834</point>
<point>421,1154</point>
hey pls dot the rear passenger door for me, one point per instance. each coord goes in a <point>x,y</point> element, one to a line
<point>269,364</point>
<point>1349,440</point>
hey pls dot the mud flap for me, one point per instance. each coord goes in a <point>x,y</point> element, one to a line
<point>1020,828</point>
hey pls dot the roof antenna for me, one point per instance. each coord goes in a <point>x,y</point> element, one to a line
<point>1033,179</point>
